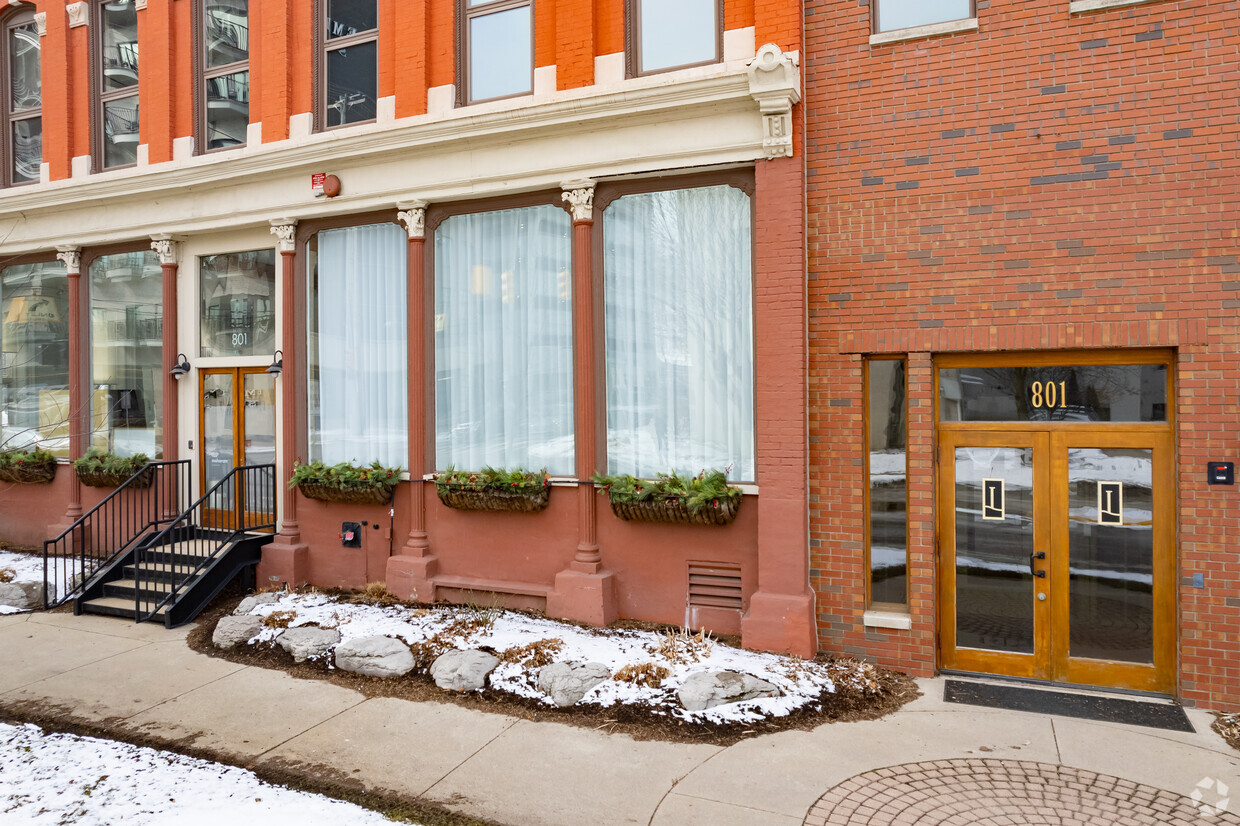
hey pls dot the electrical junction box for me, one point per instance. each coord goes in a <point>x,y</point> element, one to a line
<point>1221,473</point>
<point>351,534</point>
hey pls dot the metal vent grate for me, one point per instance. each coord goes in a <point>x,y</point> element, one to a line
<point>715,585</point>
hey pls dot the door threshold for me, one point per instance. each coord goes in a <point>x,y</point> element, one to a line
<point>1052,685</point>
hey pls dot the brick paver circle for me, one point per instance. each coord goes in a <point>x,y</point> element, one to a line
<point>1006,793</point>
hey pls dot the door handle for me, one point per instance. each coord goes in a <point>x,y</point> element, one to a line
<point>1032,561</point>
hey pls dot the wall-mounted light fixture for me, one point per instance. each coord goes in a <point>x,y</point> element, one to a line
<point>277,363</point>
<point>181,367</point>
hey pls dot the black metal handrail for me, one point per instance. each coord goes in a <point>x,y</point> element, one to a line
<point>147,499</point>
<point>242,502</point>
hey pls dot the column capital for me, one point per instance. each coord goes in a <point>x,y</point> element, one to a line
<point>775,83</point>
<point>579,195</point>
<point>285,231</point>
<point>169,248</point>
<point>40,23</point>
<point>413,215</point>
<point>72,258</point>
<point>78,14</point>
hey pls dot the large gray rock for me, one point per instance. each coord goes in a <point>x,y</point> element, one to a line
<point>27,596</point>
<point>463,670</point>
<point>567,683</point>
<point>230,631</point>
<point>375,657</point>
<point>708,689</point>
<point>308,641</point>
<point>251,602</point>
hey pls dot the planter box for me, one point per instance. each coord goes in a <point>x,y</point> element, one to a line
<point>674,511</point>
<point>466,499</point>
<point>99,479</point>
<point>34,474</point>
<point>350,496</point>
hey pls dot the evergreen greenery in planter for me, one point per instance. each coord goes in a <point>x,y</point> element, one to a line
<point>37,467</point>
<point>99,469</point>
<point>705,499</point>
<point>353,484</point>
<point>494,489</point>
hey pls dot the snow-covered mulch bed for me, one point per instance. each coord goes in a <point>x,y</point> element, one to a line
<point>63,778</point>
<point>24,572</point>
<point>636,669</point>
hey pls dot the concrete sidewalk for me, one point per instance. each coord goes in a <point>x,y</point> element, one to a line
<point>144,679</point>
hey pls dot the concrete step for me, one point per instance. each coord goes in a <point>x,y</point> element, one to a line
<point>126,588</point>
<point>113,607</point>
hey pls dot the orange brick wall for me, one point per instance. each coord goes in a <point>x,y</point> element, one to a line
<point>1051,180</point>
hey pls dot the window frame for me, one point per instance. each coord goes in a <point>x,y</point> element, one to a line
<point>632,42</point>
<point>318,71</point>
<point>203,74</point>
<point>876,15</point>
<point>895,607</point>
<point>99,99</point>
<point>11,19</point>
<point>464,15</point>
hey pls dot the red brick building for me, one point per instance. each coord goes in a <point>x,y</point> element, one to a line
<point>1023,276</point>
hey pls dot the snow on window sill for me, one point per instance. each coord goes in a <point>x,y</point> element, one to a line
<point>969,24</point>
<point>1081,6</point>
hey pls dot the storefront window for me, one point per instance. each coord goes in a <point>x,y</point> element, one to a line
<point>887,467</point>
<point>238,303</point>
<point>34,357</point>
<point>126,336</point>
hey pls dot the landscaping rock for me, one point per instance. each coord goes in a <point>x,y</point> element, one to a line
<point>463,670</point>
<point>714,688</point>
<point>26,596</point>
<point>230,631</point>
<point>375,657</point>
<point>308,641</point>
<point>251,602</point>
<point>567,683</point>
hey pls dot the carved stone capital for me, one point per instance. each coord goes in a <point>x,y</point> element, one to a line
<point>413,215</point>
<point>139,5</point>
<point>72,258</point>
<point>579,195</point>
<point>40,23</point>
<point>775,83</point>
<point>285,231</point>
<point>167,247</point>
<point>78,14</point>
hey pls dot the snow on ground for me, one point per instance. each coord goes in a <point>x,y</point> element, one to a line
<point>26,567</point>
<point>800,682</point>
<point>65,779</point>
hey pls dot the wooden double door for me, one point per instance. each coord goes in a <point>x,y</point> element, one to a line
<point>238,428</point>
<point>1057,553</point>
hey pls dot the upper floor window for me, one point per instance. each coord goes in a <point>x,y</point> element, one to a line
<point>23,122</point>
<point>223,102</point>
<point>666,35</point>
<point>495,49</point>
<point>115,83</point>
<point>347,65</point>
<point>905,14</point>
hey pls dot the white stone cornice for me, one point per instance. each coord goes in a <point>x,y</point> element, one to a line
<point>285,231</point>
<point>72,258</point>
<point>579,195</point>
<point>167,247</point>
<point>413,215</point>
<point>775,83</point>
<point>40,23</point>
<point>79,14</point>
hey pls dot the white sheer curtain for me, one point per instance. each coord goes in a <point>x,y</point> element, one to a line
<point>357,346</point>
<point>678,281</point>
<point>504,340</point>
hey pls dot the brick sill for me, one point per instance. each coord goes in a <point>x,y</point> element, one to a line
<point>969,24</point>
<point>887,619</point>
<point>1082,6</point>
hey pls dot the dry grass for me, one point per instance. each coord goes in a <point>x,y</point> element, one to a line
<point>534,655</point>
<point>7,575</point>
<point>279,619</point>
<point>682,647</point>
<point>647,674</point>
<point>377,594</point>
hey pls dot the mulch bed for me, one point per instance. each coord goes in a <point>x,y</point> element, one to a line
<point>1228,727</point>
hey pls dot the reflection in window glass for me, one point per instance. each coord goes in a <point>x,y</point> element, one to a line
<point>228,109</point>
<point>678,33</point>
<point>888,470</point>
<point>27,150</point>
<point>238,303</point>
<point>500,57</point>
<point>1098,393</point>
<point>349,17</point>
<point>902,14</point>
<point>227,25</point>
<point>25,130</point>
<point>351,84</point>
<point>34,343</point>
<point>225,73</point>
<point>504,340</point>
<point>126,338</point>
<point>118,88</point>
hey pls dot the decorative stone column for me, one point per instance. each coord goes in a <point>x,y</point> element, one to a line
<point>411,573</point>
<point>287,558</point>
<point>169,258</point>
<point>584,591</point>
<point>79,415</point>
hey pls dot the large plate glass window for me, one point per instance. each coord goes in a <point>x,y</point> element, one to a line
<point>887,466</point>
<point>237,291</point>
<point>348,68</point>
<point>116,126</point>
<point>126,338</point>
<point>678,284</point>
<point>496,48</point>
<point>504,340</point>
<point>34,357</point>
<point>904,14</point>
<point>224,73</point>
<point>671,35</point>
<point>22,152</point>
<point>356,348</point>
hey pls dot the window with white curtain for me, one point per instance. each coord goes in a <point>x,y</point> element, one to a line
<point>504,340</point>
<point>678,283</point>
<point>356,345</point>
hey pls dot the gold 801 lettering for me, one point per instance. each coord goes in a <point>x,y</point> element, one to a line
<point>1049,394</point>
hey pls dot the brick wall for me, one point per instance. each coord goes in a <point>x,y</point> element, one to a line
<point>1051,180</point>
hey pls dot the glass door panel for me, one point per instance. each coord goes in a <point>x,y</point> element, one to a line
<point>238,428</point>
<point>218,435</point>
<point>259,445</point>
